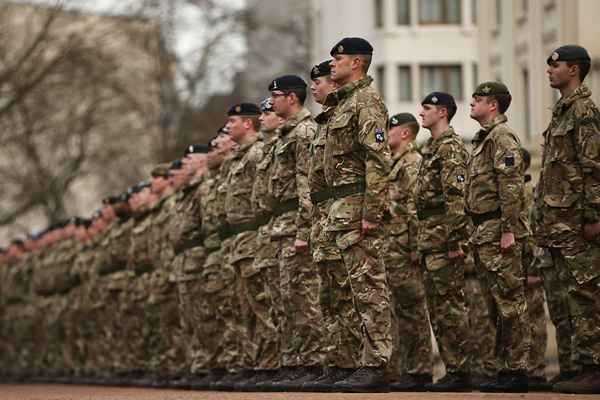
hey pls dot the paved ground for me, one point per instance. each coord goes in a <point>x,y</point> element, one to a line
<point>63,392</point>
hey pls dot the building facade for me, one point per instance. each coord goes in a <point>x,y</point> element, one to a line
<point>420,46</point>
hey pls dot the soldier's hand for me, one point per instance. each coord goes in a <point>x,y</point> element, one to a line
<point>533,280</point>
<point>456,255</point>
<point>301,246</point>
<point>368,227</point>
<point>590,231</point>
<point>507,241</point>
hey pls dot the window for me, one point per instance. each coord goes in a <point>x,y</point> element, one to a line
<point>440,11</point>
<point>404,83</point>
<point>442,78</point>
<point>380,80</point>
<point>403,12</point>
<point>378,13</point>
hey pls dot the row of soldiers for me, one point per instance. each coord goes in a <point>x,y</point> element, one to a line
<point>318,254</point>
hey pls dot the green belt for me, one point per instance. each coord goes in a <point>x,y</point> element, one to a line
<point>479,219</point>
<point>285,206</point>
<point>225,232</point>
<point>428,212</point>
<point>338,192</point>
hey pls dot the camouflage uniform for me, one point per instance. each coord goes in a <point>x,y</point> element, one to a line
<point>442,227</point>
<point>495,200</point>
<point>340,327</point>
<point>357,160</point>
<point>299,280</point>
<point>568,198</point>
<point>265,261</point>
<point>413,350</point>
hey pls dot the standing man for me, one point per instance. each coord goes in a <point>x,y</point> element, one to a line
<point>340,326</point>
<point>357,160</point>
<point>442,237</point>
<point>496,203</point>
<point>411,366</point>
<point>299,281</point>
<point>569,207</point>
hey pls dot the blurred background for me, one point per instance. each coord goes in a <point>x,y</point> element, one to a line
<point>94,93</point>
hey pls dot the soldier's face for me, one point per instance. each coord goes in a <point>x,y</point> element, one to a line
<point>560,74</point>
<point>480,108</point>
<point>281,103</point>
<point>237,128</point>
<point>430,115</point>
<point>269,121</point>
<point>341,68</point>
<point>159,184</point>
<point>321,87</point>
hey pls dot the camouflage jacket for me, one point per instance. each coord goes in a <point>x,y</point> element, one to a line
<point>495,181</point>
<point>138,254</point>
<point>569,186</point>
<point>209,219</point>
<point>120,240</point>
<point>185,226</point>
<point>402,222</point>
<point>289,178</point>
<point>440,186</point>
<point>161,249</point>
<point>262,200</point>
<point>316,173</point>
<point>357,151</point>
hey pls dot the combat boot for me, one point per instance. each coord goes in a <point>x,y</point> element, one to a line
<point>588,382</point>
<point>325,383</point>
<point>507,382</point>
<point>250,385</point>
<point>451,382</point>
<point>204,383</point>
<point>227,383</point>
<point>364,380</point>
<point>563,376</point>
<point>283,373</point>
<point>301,376</point>
<point>539,384</point>
<point>410,383</point>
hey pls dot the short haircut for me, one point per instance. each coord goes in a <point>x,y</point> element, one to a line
<point>300,94</point>
<point>584,67</point>
<point>366,60</point>
<point>255,121</point>
<point>413,126</point>
<point>451,112</point>
<point>503,99</point>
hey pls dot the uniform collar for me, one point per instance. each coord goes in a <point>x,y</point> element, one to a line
<point>434,143</point>
<point>324,115</point>
<point>293,122</point>
<point>487,128</point>
<point>564,103</point>
<point>337,96</point>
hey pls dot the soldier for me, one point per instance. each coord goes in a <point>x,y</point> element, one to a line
<point>411,363</point>
<point>357,160</point>
<point>442,237</point>
<point>496,203</point>
<point>340,327</point>
<point>300,322</point>
<point>567,208</point>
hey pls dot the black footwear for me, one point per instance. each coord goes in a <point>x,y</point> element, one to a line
<point>539,384</point>
<point>250,384</point>
<point>452,382</point>
<point>588,382</point>
<point>410,383</point>
<point>478,380</point>
<point>563,376</point>
<point>271,385</point>
<point>364,380</point>
<point>325,382</point>
<point>227,383</point>
<point>204,383</point>
<point>508,382</point>
<point>301,375</point>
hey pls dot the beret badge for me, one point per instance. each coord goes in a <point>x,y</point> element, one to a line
<point>555,56</point>
<point>434,100</point>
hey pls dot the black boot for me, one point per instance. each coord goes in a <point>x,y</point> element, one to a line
<point>410,383</point>
<point>227,383</point>
<point>250,385</point>
<point>284,374</point>
<point>563,376</point>
<point>301,376</point>
<point>507,382</point>
<point>539,384</point>
<point>325,383</point>
<point>587,382</point>
<point>204,383</point>
<point>364,380</point>
<point>452,382</point>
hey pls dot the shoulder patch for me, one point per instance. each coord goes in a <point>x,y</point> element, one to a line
<point>460,178</point>
<point>509,160</point>
<point>379,135</point>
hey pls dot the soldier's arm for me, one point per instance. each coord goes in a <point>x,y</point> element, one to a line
<point>303,218</point>
<point>372,128</point>
<point>508,165</point>
<point>453,174</point>
<point>589,140</point>
<point>410,175</point>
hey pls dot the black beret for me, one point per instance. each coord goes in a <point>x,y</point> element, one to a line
<point>287,82</point>
<point>266,105</point>
<point>319,70</point>
<point>111,200</point>
<point>570,52</point>
<point>177,164</point>
<point>490,89</point>
<point>197,149</point>
<point>401,119</point>
<point>17,242</point>
<point>244,109</point>
<point>352,45</point>
<point>440,99</point>
<point>223,130</point>
<point>160,171</point>
<point>138,187</point>
<point>125,196</point>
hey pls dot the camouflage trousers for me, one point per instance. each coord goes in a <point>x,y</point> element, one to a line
<point>558,308</point>
<point>412,352</point>
<point>300,321</point>
<point>503,282</point>
<point>583,300</point>
<point>368,281</point>
<point>482,330</point>
<point>340,327</point>
<point>537,329</point>
<point>444,283</point>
